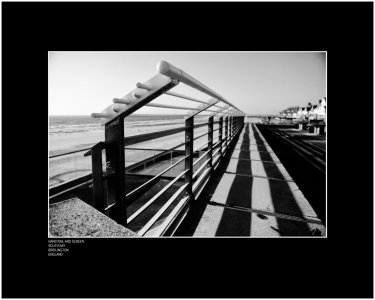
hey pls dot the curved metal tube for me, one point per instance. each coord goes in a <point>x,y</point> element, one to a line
<point>171,71</point>
<point>184,97</point>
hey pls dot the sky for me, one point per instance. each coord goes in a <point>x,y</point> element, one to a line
<point>80,83</point>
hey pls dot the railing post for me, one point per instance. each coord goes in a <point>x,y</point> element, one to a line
<point>210,138</point>
<point>231,128</point>
<point>115,166</point>
<point>97,177</point>
<point>189,143</point>
<point>221,137</point>
<point>226,134</point>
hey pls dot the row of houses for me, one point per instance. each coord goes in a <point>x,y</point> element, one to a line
<point>308,113</point>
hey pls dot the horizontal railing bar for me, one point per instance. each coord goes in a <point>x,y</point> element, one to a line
<point>157,156</point>
<point>202,124</point>
<point>67,153</point>
<point>203,109</point>
<point>171,217</point>
<point>202,183</point>
<point>173,106</point>
<point>230,111</point>
<point>146,149</point>
<point>200,158</point>
<point>205,144</point>
<point>200,147</point>
<point>184,97</point>
<point>200,168</point>
<point>221,111</point>
<point>168,177</point>
<point>131,140</point>
<point>51,198</point>
<point>66,186</point>
<point>215,145</point>
<point>142,137</point>
<point>187,97</point>
<point>198,137</point>
<point>211,115</point>
<point>200,179</point>
<point>155,177</point>
<point>213,154</point>
<point>152,221</point>
<point>149,202</point>
<point>109,206</point>
<point>69,183</point>
<point>215,161</point>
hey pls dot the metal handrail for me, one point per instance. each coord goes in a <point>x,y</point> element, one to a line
<point>153,199</point>
<point>204,108</point>
<point>200,158</point>
<point>173,72</point>
<point>187,98</point>
<point>67,153</point>
<point>201,168</point>
<point>151,222</point>
<point>154,178</point>
<point>171,217</point>
<point>169,76</point>
<point>199,136</point>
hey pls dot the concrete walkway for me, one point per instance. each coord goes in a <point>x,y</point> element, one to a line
<point>257,197</point>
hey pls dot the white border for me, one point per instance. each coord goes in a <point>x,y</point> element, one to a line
<point>215,237</point>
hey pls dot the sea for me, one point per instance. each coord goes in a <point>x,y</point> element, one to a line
<point>62,125</point>
<point>71,136</point>
<point>73,133</point>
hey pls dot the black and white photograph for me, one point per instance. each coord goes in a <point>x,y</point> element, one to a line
<point>187,149</point>
<point>187,144</point>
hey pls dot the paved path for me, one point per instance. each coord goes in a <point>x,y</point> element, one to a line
<point>257,197</point>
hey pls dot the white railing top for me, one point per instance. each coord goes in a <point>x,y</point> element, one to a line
<point>173,72</point>
<point>168,74</point>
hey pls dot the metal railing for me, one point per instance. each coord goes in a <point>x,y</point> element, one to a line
<point>114,199</point>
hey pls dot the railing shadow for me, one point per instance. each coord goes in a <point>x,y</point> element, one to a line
<point>244,163</point>
<point>194,216</point>
<point>309,179</point>
<point>233,222</point>
<point>236,222</point>
<point>282,198</point>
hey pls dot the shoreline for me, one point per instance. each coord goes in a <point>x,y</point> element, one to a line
<point>70,166</point>
<point>61,143</point>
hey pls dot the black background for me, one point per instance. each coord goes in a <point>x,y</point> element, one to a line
<point>340,265</point>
